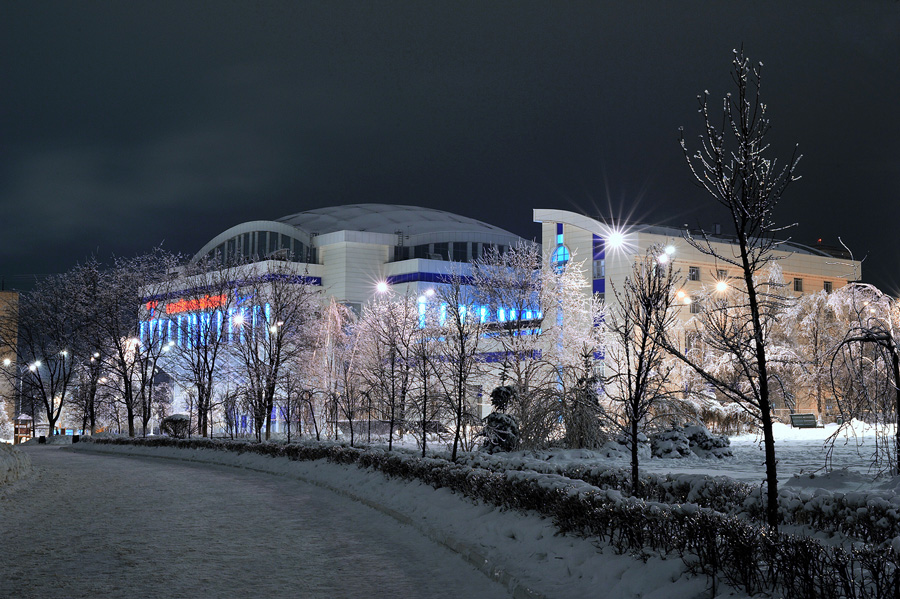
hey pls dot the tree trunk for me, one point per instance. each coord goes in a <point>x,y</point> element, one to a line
<point>635,477</point>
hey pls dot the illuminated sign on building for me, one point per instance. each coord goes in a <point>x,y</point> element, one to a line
<point>208,302</point>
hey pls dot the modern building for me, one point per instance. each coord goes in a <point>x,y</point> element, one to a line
<point>349,249</point>
<point>350,253</point>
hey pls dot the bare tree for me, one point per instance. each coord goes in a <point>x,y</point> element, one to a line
<point>207,306</point>
<point>458,347</point>
<point>48,332</point>
<point>638,377</point>
<point>275,328</point>
<point>130,361</point>
<point>732,167</point>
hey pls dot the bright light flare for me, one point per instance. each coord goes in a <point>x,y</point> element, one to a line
<point>721,286</point>
<point>381,287</point>
<point>615,240</point>
<point>670,249</point>
<point>238,319</point>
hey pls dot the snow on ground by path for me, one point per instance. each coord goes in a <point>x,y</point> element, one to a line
<point>13,464</point>
<point>526,547</point>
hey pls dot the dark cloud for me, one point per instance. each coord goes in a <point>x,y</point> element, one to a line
<point>125,124</point>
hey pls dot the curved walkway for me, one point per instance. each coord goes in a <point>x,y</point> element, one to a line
<point>110,526</point>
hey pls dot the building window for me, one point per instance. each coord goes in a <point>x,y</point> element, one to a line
<point>722,274</point>
<point>460,251</point>
<point>827,287</point>
<point>599,269</point>
<point>693,273</point>
<point>560,257</point>
<point>798,285</point>
<point>441,251</point>
<point>696,307</point>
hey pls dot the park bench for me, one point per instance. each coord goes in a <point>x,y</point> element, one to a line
<point>804,421</point>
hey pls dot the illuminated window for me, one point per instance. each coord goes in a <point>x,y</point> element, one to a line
<point>560,257</point>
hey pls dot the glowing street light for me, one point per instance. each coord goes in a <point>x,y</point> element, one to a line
<point>615,240</point>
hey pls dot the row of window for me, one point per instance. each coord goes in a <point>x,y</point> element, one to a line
<point>259,245</point>
<point>454,251</point>
<point>722,275</point>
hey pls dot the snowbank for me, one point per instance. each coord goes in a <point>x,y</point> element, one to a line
<point>13,464</point>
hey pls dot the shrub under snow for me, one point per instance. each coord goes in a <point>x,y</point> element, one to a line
<point>13,464</point>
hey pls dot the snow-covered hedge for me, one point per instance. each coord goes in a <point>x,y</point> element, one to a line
<point>868,517</point>
<point>743,553</point>
<point>13,464</point>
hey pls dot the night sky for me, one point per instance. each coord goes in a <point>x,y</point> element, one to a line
<point>124,125</point>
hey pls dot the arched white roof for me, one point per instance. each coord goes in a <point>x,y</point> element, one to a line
<point>387,218</point>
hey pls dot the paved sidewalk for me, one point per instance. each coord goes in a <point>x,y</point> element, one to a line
<point>110,526</point>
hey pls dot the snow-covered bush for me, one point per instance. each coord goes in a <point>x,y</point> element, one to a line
<point>13,464</point>
<point>694,439</point>
<point>6,426</point>
<point>500,432</point>
<point>705,444</point>
<point>670,444</point>
<point>176,425</point>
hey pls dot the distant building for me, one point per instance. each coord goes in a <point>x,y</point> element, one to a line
<point>9,319</point>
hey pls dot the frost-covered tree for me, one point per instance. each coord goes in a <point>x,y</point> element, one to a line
<point>574,336</point>
<point>733,167</point>
<point>811,329</point>
<point>510,285</point>
<point>332,345</point>
<point>637,380</point>
<point>865,368</point>
<point>387,329</point>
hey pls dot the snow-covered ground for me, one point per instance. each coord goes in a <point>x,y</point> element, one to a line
<point>533,558</point>
<point>525,549</point>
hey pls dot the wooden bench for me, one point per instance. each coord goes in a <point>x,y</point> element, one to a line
<point>804,421</point>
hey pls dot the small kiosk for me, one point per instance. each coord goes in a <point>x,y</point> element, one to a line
<point>22,429</point>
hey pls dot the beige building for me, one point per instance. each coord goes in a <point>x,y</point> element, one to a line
<point>608,254</point>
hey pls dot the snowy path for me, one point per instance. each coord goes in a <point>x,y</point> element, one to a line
<point>111,526</point>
